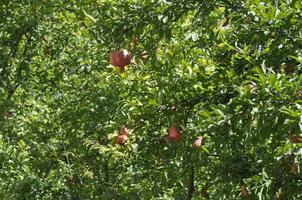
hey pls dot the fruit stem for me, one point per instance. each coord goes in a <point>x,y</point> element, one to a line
<point>121,69</point>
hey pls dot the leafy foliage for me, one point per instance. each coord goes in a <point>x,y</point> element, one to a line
<point>229,71</point>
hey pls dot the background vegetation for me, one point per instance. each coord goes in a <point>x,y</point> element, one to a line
<point>232,69</point>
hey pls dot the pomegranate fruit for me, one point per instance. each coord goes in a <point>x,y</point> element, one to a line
<point>174,133</point>
<point>198,143</point>
<point>121,139</point>
<point>124,131</point>
<point>120,59</point>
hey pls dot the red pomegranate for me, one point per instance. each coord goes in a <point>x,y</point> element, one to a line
<point>295,138</point>
<point>198,142</point>
<point>174,133</point>
<point>124,131</point>
<point>120,58</point>
<point>121,139</point>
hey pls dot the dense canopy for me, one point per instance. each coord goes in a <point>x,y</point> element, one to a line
<point>210,106</point>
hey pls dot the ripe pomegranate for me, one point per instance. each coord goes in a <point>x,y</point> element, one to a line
<point>120,59</point>
<point>121,139</point>
<point>174,133</point>
<point>198,143</point>
<point>295,138</point>
<point>124,131</point>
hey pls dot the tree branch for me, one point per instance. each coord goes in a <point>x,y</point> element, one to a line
<point>191,184</point>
